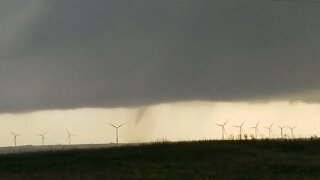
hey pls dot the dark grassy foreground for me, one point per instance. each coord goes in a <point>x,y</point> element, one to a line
<point>298,159</point>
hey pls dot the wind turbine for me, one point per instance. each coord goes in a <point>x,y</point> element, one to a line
<point>270,131</point>
<point>69,136</point>
<point>256,130</point>
<point>15,137</point>
<point>42,137</point>
<point>281,130</point>
<point>116,127</point>
<point>292,129</point>
<point>240,128</point>
<point>223,130</point>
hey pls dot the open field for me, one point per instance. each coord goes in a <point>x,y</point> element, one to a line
<point>46,148</point>
<point>252,159</point>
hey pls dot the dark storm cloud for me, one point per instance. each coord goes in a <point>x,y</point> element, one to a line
<point>79,53</point>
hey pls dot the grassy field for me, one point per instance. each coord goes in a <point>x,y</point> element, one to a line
<point>252,159</point>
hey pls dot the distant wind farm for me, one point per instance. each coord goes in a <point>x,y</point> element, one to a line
<point>244,133</point>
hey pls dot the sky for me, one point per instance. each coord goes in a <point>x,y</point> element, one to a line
<point>77,64</point>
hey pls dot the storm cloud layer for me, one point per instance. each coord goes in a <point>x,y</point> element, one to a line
<point>77,53</point>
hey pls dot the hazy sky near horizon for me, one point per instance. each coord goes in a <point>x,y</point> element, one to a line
<point>61,61</point>
<point>168,121</point>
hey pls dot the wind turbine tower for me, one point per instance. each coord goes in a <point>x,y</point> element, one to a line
<point>240,129</point>
<point>281,130</point>
<point>223,130</point>
<point>69,137</point>
<point>292,129</point>
<point>116,127</point>
<point>42,137</point>
<point>256,130</point>
<point>270,131</point>
<point>15,138</point>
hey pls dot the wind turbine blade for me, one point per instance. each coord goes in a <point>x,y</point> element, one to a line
<point>120,125</point>
<point>112,125</point>
<point>225,122</point>
<point>218,124</point>
<point>258,131</point>
<point>243,123</point>
<point>13,133</point>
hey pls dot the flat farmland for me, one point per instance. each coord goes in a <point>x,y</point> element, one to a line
<point>246,159</point>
